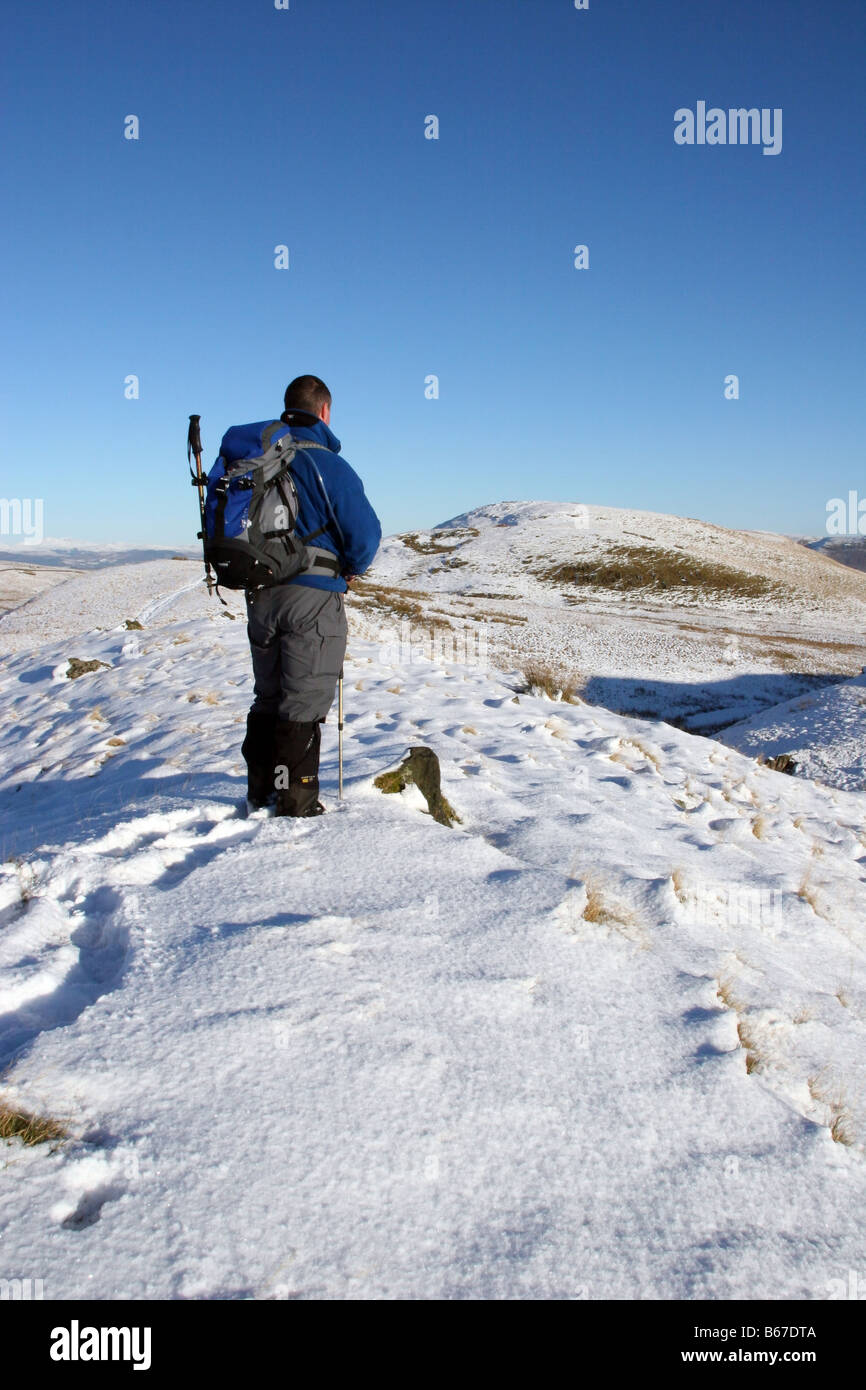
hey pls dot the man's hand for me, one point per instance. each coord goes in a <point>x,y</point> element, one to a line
<point>350,579</point>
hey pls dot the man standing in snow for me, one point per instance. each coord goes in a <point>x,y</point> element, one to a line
<point>298,630</point>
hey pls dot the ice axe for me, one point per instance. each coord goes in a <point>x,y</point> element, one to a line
<point>193,451</point>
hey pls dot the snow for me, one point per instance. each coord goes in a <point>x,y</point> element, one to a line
<point>824,732</point>
<point>704,659</point>
<point>368,1056</point>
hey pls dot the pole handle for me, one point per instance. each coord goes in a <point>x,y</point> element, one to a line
<point>193,451</point>
<point>193,438</point>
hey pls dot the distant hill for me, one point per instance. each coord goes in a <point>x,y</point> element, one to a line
<point>86,555</point>
<point>649,614</point>
<point>847,550</point>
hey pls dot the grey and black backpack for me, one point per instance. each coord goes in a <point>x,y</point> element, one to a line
<point>251,514</point>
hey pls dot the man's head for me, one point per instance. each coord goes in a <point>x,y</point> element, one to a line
<point>309,393</point>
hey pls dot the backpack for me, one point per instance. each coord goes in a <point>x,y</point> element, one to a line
<point>250,516</point>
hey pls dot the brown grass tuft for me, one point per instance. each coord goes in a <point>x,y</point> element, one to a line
<point>30,1129</point>
<point>651,568</point>
<point>725,992</point>
<point>749,1044</point>
<point>542,678</point>
<point>826,1090</point>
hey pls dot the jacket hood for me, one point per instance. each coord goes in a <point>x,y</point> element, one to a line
<point>302,423</point>
<point>245,441</point>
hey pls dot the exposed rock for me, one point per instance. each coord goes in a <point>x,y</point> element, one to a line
<point>133,625</point>
<point>783,762</point>
<point>77,667</point>
<point>420,767</point>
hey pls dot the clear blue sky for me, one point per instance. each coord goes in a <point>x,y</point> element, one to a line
<point>454,257</point>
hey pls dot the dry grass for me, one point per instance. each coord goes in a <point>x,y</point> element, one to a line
<point>625,568</point>
<point>652,757</point>
<point>842,1128</point>
<point>597,909</point>
<point>29,1129</point>
<point>726,993</point>
<point>401,602</point>
<point>540,678</point>
<point>428,546</point>
<point>808,894</point>
<point>748,1043</point>
<point>760,828</point>
<point>603,910</point>
<point>841,1123</point>
<point>678,880</point>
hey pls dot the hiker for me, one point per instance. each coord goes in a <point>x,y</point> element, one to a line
<point>298,629</point>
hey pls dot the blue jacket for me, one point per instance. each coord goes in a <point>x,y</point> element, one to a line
<point>352,529</point>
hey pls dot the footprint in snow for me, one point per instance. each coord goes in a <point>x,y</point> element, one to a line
<point>91,1183</point>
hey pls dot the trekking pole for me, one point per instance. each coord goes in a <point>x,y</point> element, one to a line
<point>340,733</point>
<point>193,450</point>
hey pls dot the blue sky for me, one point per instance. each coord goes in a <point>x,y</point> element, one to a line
<point>454,257</point>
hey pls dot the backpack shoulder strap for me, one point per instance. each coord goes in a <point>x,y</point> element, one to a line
<point>269,431</point>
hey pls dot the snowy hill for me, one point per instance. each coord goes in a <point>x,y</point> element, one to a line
<point>647,614</point>
<point>603,1039</point>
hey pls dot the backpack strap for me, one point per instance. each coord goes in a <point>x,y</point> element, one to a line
<point>270,430</point>
<point>323,560</point>
<point>312,444</point>
<point>221,490</point>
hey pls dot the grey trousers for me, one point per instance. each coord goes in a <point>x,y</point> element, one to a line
<point>298,641</point>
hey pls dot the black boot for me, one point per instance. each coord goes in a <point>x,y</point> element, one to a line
<point>296,751</point>
<point>258,751</point>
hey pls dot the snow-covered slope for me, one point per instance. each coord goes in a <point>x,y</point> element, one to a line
<point>602,1039</point>
<point>648,614</point>
<point>21,582</point>
<point>659,558</point>
<point>825,732</point>
<point>101,599</point>
<point>90,555</point>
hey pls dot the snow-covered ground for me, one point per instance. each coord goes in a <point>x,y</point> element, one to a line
<point>825,733</point>
<point>21,582</point>
<point>603,1039</point>
<point>671,618</point>
<point>99,599</point>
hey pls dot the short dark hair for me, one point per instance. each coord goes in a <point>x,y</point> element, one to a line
<point>307,393</point>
